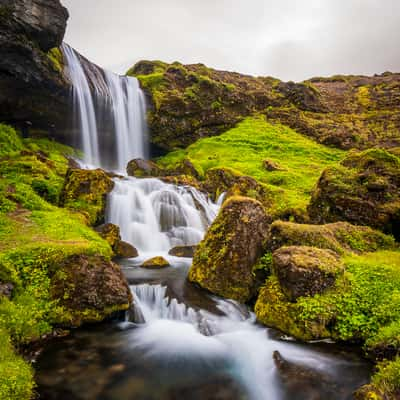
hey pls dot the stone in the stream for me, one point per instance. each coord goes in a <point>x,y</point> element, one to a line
<point>143,168</point>
<point>156,263</point>
<point>182,251</point>
<point>223,262</point>
<point>125,250</point>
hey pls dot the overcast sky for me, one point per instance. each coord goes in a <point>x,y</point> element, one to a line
<point>288,39</point>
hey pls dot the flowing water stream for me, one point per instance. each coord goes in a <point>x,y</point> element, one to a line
<point>179,342</point>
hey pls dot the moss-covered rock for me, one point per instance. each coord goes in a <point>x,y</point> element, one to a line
<point>183,251</point>
<point>90,288</point>
<point>364,190</point>
<point>86,190</point>
<point>156,263</point>
<point>223,262</point>
<point>110,233</point>
<point>143,168</point>
<point>305,271</point>
<point>340,237</point>
<point>125,250</point>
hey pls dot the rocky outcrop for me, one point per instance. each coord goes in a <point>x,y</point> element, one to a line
<point>183,251</point>
<point>86,191</point>
<point>90,288</point>
<point>305,271</point>
<point>223,262</point>
<point>189,102</point>
<point>340,237</point>
<point>156,263</point>
<point>33,90</point>
<point>364,190</point>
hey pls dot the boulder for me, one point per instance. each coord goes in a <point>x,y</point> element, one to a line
<point>223,261</point>
<point>6,289</point>
<point>270,165</point>
<point>86,190</point>
<point>90,289</point>
<point>340,237</point>
<point>111,234</point>
<point>305,271</point>
<point>125,250</point>
<point>364,190</point>
<point>156,263</point>
<point>183,251</point>
<point>143,168</point>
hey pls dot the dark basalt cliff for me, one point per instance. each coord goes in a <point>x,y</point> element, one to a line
<point>193,101</point>
<point>33,89</point>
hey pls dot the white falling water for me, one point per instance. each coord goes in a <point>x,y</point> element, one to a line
<point>124,104</point>
<point>155,216</point>
<point>83,103</point>
<point>129,108</point>
<point>173,331</point>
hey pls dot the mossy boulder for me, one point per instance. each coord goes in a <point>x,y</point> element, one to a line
<point>305,271</point>
<point>340,237</point>
<point>183,180</point>
<point>156,263</point>
<point>90,288</point>
<point>364,190</point>
<point>143,168</point>
<point>111,234</point>
<point>125,250</point>
<point>223,262</point>
<point>183,251</point>
<point>86,190</point>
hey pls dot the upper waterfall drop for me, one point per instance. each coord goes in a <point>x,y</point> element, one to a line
<point>107,104</point>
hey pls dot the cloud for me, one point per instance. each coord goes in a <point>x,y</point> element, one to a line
<point>289,39</point>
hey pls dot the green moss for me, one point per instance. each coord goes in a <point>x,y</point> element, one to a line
<point>363,96</point>
<point>10,142</point>
<point>56,59</point>
<point>244,148</point>
<point>387,379</point>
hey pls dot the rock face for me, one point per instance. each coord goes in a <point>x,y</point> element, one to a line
<point>86,190</point>
<point>224,260</point>
<point>90,288</point>
<point>156,263</point>
<point>305,271</point>
<point>193,101</point>
<point>364,190</point>
<point>32,85</point>
<point>143,168</point>
<point>340,237</point>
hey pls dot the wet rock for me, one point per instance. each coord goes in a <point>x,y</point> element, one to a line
<point>86,190</point>
<point>143,168</point>
<point>340,237</point>
<point>183,251</point>
<point>186,167</point>
<point>182,180</point>
<point>156,263</point>
<point>90,289</point>
<point>34,93</point>
<point>363,190</point>
<point>305,271</point>
<point>224,260</point>
<point>6,289</point>
<point>297,378</point>
<point>125,250</point>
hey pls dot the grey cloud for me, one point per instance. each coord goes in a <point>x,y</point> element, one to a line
<point>289,39</point>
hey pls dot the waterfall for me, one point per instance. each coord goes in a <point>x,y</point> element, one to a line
<point>155,216</point>
<point>101,97</point>
<point>83,107</point>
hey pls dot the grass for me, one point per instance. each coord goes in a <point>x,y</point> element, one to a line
<point>245,147</point>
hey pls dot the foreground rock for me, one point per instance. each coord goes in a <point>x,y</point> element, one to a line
<point>305,271</point>
<point>156,263</point>
<point>340,237</point>
<point>111,234</point>
<point>86,190</point>
<point>183,251</point>
<point>363,190</point>
<point>90,288</point>
<point>224,260</point>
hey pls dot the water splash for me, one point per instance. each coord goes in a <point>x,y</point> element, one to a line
<point>156,216</point>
